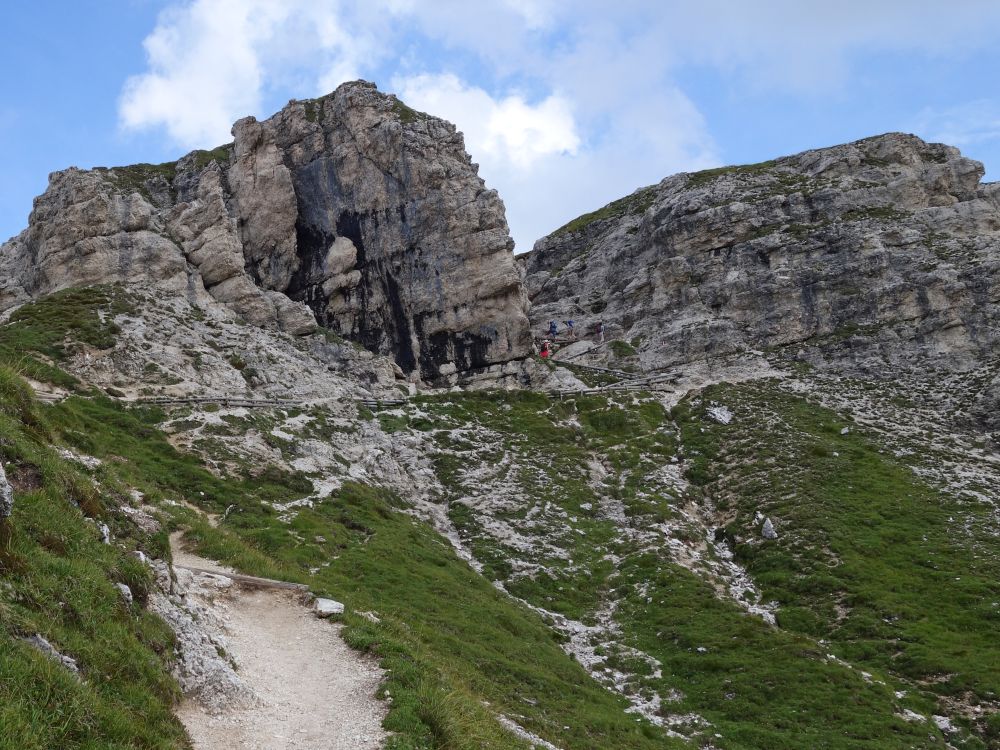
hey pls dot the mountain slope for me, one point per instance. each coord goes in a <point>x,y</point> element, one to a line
<point>785,539</point>
<point>883,251</point>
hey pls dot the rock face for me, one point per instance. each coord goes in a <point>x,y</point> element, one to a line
<point>883,251</point>
<point>6,496</point>
<point>351,210</point>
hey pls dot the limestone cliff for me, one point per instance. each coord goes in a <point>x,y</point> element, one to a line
<point>351,210</point>
<point>886,250</point>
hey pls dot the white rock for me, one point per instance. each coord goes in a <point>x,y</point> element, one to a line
<point>944,724</point>
<point>327,607</point>
<point>125,591</point>
<point>39,642</point>
<point>6,496</point>
<point>720,413</point>
<point>87,461</point>
<point>767,531</point>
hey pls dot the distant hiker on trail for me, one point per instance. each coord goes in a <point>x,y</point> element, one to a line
<point>570,333</point>
<point>600,332</point>
<point>545,353</point>
<point>553,328</point>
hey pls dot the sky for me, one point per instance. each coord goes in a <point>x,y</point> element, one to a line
<point>565,104</point>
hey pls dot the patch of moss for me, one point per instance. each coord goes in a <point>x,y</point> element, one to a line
<point>634,204</point>
<point>622,349</point>
<point>220,154</point>
<point>706,176</point>
<point>136,178</point>
<point>407,114</point>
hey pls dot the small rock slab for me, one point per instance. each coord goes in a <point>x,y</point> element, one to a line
<point>720,413</point>
<point>768,531</point>
<point>327,608</point>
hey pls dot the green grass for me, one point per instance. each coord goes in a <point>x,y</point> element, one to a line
<point>858,535</point>
<point>622,349</point>
<point>57,579</point>
<point>407,114</point>
<point>449,639</point>
<point>136,178</point>
<point>706,176</point>
<point>41,334</point>
<point>897,575</point>
<point>633,204</point>
<point>219,154</point>
<point>758,686</point>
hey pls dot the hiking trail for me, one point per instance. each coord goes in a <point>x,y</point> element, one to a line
<point>310,690</point>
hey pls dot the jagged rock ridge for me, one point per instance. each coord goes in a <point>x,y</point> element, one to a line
<point>351,209</point>
<point>886,250</point>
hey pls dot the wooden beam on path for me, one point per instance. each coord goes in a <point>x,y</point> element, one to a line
<point>251,581</point>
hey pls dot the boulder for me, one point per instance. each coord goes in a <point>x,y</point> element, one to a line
<point>126,593</point>
<point>720,413</point>
<point>327,608</point>
<point>767,530</point>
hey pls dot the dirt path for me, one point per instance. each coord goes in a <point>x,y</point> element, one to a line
<point>312,691</point>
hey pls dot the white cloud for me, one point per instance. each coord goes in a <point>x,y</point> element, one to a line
<point>507,129</point>
<point>565,105</point>
<point>211,61</point>
<point>967,124</point>
<point>203,67</point>
<point>536,13</point>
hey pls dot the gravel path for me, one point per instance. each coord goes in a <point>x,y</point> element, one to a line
<point>313,691</point>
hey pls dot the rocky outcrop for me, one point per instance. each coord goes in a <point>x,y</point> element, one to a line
<point>6,496</point>
<point>886,250</point>
<point>351,210</point>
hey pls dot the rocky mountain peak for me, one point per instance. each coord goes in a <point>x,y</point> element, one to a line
<point>882,251</point>
<point>352,211</point>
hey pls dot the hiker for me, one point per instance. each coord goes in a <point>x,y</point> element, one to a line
<point>570,333</point>
<point>600,332</point>
<point>545,353</point>
<point>553,328</point>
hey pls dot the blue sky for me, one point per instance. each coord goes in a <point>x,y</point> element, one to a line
<point>565,105</point>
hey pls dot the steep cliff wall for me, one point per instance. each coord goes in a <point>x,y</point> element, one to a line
<point>351,210</point>
<point>886,250</point>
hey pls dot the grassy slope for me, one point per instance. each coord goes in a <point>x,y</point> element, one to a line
<point>449,639</point>
<point>759,686</point>
<point>902,579</point>
<point>57,579</point>
<point>452,643</point>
